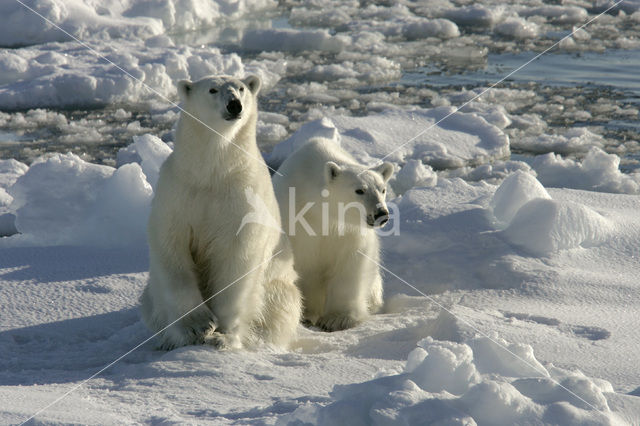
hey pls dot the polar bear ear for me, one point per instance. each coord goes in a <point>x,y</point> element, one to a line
<point>253,83</point>
<point>385,169</point>
<point>184,88</point>
<point>331,171</point>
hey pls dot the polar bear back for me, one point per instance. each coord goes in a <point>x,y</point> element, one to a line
<point>305,167</point>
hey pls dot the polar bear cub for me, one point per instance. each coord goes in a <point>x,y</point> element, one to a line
<point>200,250</point>
<point>330,206</point>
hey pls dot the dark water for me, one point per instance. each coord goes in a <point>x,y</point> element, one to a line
<point>586,81</point>
<point>615,69</point>
<point>602,84</point>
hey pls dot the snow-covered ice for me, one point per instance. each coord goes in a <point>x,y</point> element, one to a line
<point>330,58</point>
<point>65,200</point>
<point>292,41</point>
<point>67,74</point>
<point>113,19</point>
<point>511,289</point>
<point>539,224</point>
<point>521,322</point>
<point>462,139</point>
<point>148,151</point>
<point>455,383</point>
<point>598,171</point>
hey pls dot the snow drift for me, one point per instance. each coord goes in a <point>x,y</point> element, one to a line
<point>541,225</point>
<point>62,199</point>
<point>484,381</point>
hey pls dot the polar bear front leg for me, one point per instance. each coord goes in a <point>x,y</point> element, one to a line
<point>237,284</point>
<point>346,304</point>
<point>314,290</point>
<point>176,300</point>
<point>375,302</point>
<point>236,306</point>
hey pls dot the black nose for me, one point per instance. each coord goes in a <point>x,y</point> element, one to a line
<point>381,217</point>
<point>234,107</point>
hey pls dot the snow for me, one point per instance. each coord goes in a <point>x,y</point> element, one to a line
<point>372,70</point>
<point>10,171</point>
<point>113,18</point>
<point>475,15</point>
<point>322,128</point>
<point>558,14</point>
<point>511,290</point>
<point>466,353</point>
<point>413,174</point>
<point>598,171</point>
<point>517,28</point>
<point>542,226</point>
<point>514,192</point>
<point>573,141</point>
<point>463,139</point>
<point>292,40</point>
<point>359,56</point>
<point>148,151</point>
<point>64,200</point>
<point>34,76</point>
<point>430,28</point>
<point>455,383</point>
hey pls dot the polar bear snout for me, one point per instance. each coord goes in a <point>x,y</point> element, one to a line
<point>234,108</point>
<point>379,218</point>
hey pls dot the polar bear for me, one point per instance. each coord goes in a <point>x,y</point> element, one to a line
<point>200,250</point>
<point>330,206</point>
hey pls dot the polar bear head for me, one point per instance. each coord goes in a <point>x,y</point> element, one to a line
<point>357,193</point>
<point>222,103</point>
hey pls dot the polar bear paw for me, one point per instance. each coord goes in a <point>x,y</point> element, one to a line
<point>222,341</point>
<point>337,321</point>
<point>199,322</point>
<point>190,330</point>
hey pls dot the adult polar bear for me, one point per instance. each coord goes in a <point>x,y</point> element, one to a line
<point>199,246</point>
<point>330,205</point>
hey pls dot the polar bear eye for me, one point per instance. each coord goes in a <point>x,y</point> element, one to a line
<point>242,89</point>
<point>213,90</point>
<point>384,190</point>
<point>360,191</point>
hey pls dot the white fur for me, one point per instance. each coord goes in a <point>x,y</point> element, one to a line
<point>340,286</point>
<point>198,207</point>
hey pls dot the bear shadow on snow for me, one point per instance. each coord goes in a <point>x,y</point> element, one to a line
<point>68,263</point>
<point>73,349</point>
<point>460,250</point>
